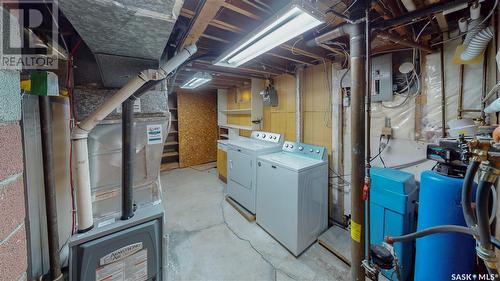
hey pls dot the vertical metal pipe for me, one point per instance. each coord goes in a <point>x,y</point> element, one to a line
<point>461,92</point>
<point>50,189</point>
<point>443,96</point>
<point>357,47</point>
<point>484,87</point>
<point>298,103</point>
<point>128,153</point>
<point>368,95</point>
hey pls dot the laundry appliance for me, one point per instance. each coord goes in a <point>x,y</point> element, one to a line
<point>292,194</point>
<point>242,156</point>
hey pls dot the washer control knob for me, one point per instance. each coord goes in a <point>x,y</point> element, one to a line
<point>286,145</point>
<point>301,148</point>
<point>274,137</point>
<point>311,150</point>
<point>291,146</point>
<point>317,151</point>
<point>263,135</point>
<point>257,135</point>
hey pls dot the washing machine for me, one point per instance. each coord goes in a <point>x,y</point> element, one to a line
<point>242,155</point>
<point>292,194</point>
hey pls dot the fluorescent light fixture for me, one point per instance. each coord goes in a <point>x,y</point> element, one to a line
<point>197,80</point>
<point>293,20</point>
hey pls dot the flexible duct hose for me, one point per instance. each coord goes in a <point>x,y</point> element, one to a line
<point>473,28</point>
<point>477,44</point>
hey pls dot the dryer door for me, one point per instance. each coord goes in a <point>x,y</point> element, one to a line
<point>240,167</point>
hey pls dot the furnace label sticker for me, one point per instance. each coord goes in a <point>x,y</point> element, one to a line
<point>155,135</point>
<point>132,268</point>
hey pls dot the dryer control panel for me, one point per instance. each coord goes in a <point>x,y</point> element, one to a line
<point>307,150</point>
<point>266,136</point>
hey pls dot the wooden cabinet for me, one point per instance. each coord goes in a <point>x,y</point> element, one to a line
<point>241,108</point>
<point>222,161</point>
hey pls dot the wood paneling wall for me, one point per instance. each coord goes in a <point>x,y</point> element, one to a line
<point>281,119</point>
<point>198,131</point>
<point>316,107</point>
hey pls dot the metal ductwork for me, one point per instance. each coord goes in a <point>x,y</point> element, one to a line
<point>125,36</point>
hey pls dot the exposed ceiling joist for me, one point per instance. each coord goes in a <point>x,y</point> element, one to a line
<point>215,23</point>
<point>241,11</point>
<point>250,3</point>
<point>214,38</point>
<point>201,21</point>
<point>300,51</point>
<point>287,58</point>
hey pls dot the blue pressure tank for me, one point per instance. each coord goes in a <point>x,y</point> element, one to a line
<point>393,194</point>
<point>439,256</point>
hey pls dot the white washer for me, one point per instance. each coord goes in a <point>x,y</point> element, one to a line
<point>292,194</point>
<point>241,158</point>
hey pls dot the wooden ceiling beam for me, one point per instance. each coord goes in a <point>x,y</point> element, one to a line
<point>257,7</point>
<point>287,58</point>
<point>214,22</point>
<point>240,11</point>
<point>300,51</point>
<point>201,21</point>
<point>214,38</point>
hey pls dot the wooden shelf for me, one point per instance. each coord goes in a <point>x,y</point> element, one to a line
<point>173,132</point>
<point>246,111</point>
<point>171,143</point>
<point>169,166</point>
<point>241,127</point>
<point>170,154</point>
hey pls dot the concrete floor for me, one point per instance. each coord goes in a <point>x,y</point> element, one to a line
<point>206,239</point>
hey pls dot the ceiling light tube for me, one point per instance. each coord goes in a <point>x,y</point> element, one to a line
<point>200,78</point>
<point>290,22</point>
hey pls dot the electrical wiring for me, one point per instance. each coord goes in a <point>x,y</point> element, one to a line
<point>423,28</point>
<point>380,150</point>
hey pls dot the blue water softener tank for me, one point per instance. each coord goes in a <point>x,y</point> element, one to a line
<point>393,196</point>
<point>441,255</point>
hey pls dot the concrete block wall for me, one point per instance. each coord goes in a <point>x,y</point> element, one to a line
<point>13,244</point>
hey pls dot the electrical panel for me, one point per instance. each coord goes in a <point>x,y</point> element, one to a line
<point>382,86</point>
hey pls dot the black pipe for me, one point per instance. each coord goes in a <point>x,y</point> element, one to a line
<point>482,213</point>
<point>49,187</point>
<point>128,153</point>
<point>430,231</point>
<point>425,12</point>
<point>469,217</point>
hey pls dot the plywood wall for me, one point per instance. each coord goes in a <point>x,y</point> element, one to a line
<point>198,132</point>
